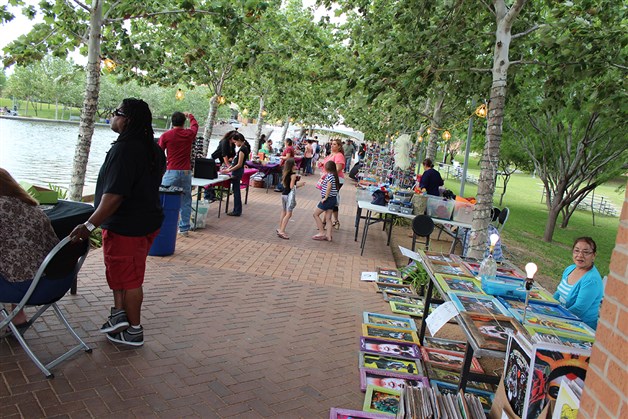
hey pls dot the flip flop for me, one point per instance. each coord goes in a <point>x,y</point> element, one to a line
<point>319,238</point>
<point>283,236</point>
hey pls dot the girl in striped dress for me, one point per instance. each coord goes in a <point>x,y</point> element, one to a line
<point>329,192</point>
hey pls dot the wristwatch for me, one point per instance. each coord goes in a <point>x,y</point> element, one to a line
<point>89,226</point>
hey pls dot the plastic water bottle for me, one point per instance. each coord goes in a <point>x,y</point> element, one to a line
<point>488,269</point>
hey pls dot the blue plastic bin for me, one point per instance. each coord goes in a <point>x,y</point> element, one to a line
<point>166,240</point>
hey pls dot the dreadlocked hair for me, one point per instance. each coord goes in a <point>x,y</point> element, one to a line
<point>139,127</point>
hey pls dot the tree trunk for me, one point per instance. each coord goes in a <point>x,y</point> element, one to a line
<point>490,158</point>
<point>284,131</point>
<point>209,126</point>
<point>501,197</point>
<point>548,234</point>
<point>432,145</point>
<point>90,103</point>
<point>260,123</point>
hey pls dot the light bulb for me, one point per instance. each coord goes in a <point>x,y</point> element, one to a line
<point>494,239</point>
<point>531,269</point>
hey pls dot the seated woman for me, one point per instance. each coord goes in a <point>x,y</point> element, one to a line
<point>581,289</point>
<point>267,148</point>
<point>26,237</point>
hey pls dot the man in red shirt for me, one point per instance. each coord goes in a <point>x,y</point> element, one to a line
<point>177,143</point>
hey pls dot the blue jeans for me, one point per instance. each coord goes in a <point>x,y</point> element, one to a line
<point>348,164</point>
<point>237,197</point>
<point>182,179</point>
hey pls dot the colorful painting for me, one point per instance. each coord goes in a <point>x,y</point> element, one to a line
<point>459,284</point>
<point>447,269</point>
<point>396,322</point>
<point>445,344</point>
<point>387,347</point>
<point>450,376</point>
<point>390,379</point>
<point>491,332</point>
<point>409,309</point>
<point>389,272</point>
<point>552,365</point>
<point>416,300</point>
<point>478,303</point>
<point>397,288</point>
<point>381,400</point>
<point>337,413</point>
<point>545,335</point>
<point>517,373</point>
<point>447,359</point>
<point>388,280</point>
<point>562,325</point>
<point>539,294</point>
<point>486,397</point>
<point>389,363</point>
<point>399,335</point>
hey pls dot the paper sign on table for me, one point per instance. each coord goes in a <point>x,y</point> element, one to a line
<point>440,316</point>
<point>368,276</point>
<point>409,253</point>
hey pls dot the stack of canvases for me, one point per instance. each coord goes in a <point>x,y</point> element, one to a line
<point>537,373</point>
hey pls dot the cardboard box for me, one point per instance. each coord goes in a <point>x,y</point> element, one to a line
<point>41,194</point>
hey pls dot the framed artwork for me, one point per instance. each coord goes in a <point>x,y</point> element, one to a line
<point>534,306</point>
<point>459,284</point>
<point>502,271</point>
<point>491,332</point>
<point>552,365</point>
<point>447,359</point>
<point>399,335</point>
<point>409,309</point>
<point>389,379</point>
<point>486,397</point>
<point>398,288</point>
<point>381,400</point>
<point>561,325</point>
<point>539,294</point>
<point>445,344</point>
<point>450,376</point>
<point>337,413</point>
<point>478,303</point>
<point>389,363</point>
<point>388,280</point>
<point>449,269</point>
<point>390,348</point>
<point>567,402</point>
<point>390,272</point>
<point>438,257</point>
<point>413,299</point>
<point>566,315</point>
<point>544,335</point>
<point>517,373</point>
<point>396,322</point>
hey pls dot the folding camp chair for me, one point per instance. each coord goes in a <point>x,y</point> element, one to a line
<point>53,279</point>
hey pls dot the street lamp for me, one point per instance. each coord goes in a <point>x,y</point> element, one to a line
<point>179,95</point>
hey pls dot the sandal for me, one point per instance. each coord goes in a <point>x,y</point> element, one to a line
<point>336,225</point>
<point>319,238</point>
<point>283,236</point>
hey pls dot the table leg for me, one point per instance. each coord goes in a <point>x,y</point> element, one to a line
<point>198,197</point>
<point>365,231</point>
<point>358,215</point>
<point>466,366</point>
<point>426,310</point>
<point>392,222</point>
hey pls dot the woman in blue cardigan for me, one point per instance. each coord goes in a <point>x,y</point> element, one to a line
<point>581,289</point>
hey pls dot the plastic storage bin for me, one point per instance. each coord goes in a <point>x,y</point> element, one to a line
<point>403,196</point>
<point>394,206</point>
<point>166,240</point>
<point>406,208</point>
<point>504,287</point>
<point>439,207</point>
<point>463,212</point>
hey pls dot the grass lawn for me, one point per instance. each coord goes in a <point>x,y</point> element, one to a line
<point>523,232</point>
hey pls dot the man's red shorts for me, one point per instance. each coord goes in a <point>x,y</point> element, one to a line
<point>125,259</point>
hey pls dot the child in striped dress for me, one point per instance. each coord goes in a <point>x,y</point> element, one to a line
<point>329,192</point>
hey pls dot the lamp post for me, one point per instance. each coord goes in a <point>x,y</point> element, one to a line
<point>530,271</point>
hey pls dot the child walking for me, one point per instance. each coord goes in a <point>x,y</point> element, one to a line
<point>329,192</point>
<point>288,202</point>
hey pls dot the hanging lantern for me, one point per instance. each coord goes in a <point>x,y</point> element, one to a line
<point>221,100</point>
<point>420,138</point>
<point>179,95</point>
<point>110,65</point>
<point>264,113</point>
<point>446,135</point>
<point>245,112</point>
<point>429,131</point>
<point>481,111</point>
<point>291,120</point>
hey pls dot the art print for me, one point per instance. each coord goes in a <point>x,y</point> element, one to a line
<point>439,257</point>
<point>396,322</point>
<point>381,400</point>
<point>562,325</point>
<point>388,280</point>
<point>459,270</point>
<point>389,272</point>
<point>337,413</point>
<point>390,379</point>
<point>450,376</point>
<point>485,397</point>
<point>398,335</point>
<point>539,294</point>
<point>447,359</point>
<point>445,344</point>
<point>457,283</point>
<point>552,365</point>
<point>408,299</point>
<point>409,309</point>
<point>388,363</point>
<point>544,308</point>
<point>491,332</point>
<point>478,303</point>
<point>391,348</point>
<point>545,335</point>
<point>517,374</point>
<point>397,288</point>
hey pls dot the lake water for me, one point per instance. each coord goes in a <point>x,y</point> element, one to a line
<point>43,152</point>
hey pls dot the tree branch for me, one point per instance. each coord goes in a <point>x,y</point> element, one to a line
<point>516,62</point>
<point>81,5</point>
<point>488,6</point>
<point>527,31</point>
<point>623,67</point>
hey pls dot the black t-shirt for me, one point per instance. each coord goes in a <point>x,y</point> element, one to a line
<point>225,148</point>
<point>246,151</point>
<point>127,172</point>
<point>286,189</point>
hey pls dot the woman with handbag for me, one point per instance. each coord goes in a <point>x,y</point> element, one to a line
<point>288,197</point>
<point>337,156</point>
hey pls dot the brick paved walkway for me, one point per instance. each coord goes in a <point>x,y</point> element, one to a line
<point>238,323</point>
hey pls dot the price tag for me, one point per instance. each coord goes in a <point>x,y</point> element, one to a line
<point>440,316</point>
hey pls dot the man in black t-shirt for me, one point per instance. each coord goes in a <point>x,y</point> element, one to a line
<point>128,208</point>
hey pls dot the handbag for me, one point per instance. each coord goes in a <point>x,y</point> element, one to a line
<point>379,198</point>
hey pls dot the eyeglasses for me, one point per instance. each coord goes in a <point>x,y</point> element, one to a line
<point>582,252</point>
<point>117,112</point>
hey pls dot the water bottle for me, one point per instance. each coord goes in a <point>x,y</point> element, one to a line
<point>488,269</point>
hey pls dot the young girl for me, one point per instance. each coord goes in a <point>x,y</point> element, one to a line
<point>289,181</point>
<point>329,192</point>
